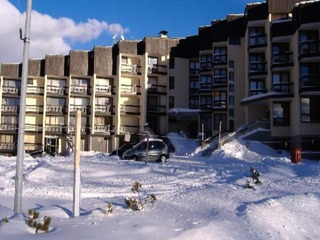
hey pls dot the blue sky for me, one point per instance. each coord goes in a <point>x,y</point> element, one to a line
<point>61,25</point>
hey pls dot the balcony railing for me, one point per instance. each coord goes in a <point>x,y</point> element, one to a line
<point>30,147</point>
<point>56,109</point>
<point>130,89</point>
<point>310,47</point>
<point>131,69</point>
<point>79,89</point>
<point>205,66</point>
<point>219,81</point>
<point>310,82</point>
<point>257,67</point>
<point>282,58</point>
<point>157,89</point>
<point>8,146</point>
<point>103,108</point>
<point>104,89</point>
<point>156,109</point>
<point>10,90</point>
<point>35,90</point>
<point>9,127</point>
<point>206,106</point>
<point>194,71</point>
<point>33,127</point>
<point>56,129</point>
<point>84,129</point>
<point>83,109</point>
<point>282,88</point>
<point>257,41</point>
<point>205,86</point>
<point>34,108</point>
<point>129,128</point>
<point>56,90</point>
<point>130,109</point>
<point>253,92</point>
<point>220,59</point>
<point>220,104</point>
<point>10,109</point>
<point>104,129</point>
<point>157,69</point>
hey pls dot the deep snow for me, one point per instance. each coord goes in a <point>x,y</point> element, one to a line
<point>197,197</point>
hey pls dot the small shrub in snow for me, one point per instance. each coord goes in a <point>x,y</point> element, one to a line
<point>43,224</point>
<point>4,220</point>
<point>138,204</point>
<point>108,210</point>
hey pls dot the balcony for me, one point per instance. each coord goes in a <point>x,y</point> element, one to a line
<point>257,41</point>
<point>104,89</point>
<point>84,109</point>
<point>80,89</point>
<point>129,128</point>
<point>7,146</point>
<point>157,69</point>
<point>157,89</point>
<point>10,90</point>
<point>258,68</point>
<point>283,88</point>
<point>10,109</point>
<point>32,147</point>
<point>220,59</point>
<point>194,71</point>
<point>56,109</point>
<point>310,83</point>
<point>205,66</point>
<point>309,49</point>
<point>34,109</point>
<point>220,82</point>
<point>104,129</point>
<point>130,109</point>
<point>13,128</point>
<point>35,90</point>
<point>83,130</point>
<point>253,92</point>
<point>156,109</point>
<point>56,129</point>
<point>194,91</point>
<point>130,89</point>
<point>131,69</point>
<point>33,128</point>
<point>207,86</point>
<point>220,104</point>
<point>104,109</point>
<point>280,60</point>
<point>206,106</point>
<point>56,90</point>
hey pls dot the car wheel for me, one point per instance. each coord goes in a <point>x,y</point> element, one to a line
<point>134,158</point>
<point>163,158</point>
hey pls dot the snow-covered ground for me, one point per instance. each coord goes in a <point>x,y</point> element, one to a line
<point>197,197</point>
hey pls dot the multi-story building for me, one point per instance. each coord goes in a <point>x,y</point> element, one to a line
<point>263,64</point>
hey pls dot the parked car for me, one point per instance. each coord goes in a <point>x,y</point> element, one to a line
<point>122,149</point>
<point>157,151</point>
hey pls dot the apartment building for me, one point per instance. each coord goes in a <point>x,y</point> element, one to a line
<point>262,65</point>
<point>118,90</point>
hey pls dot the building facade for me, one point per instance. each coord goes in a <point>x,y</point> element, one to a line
<point>259,66</point>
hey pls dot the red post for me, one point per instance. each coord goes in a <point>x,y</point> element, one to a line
<point>296,155</point>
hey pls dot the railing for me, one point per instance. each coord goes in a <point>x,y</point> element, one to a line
<point>253,92</point>
<point>9,127</point>
<point>56,90</point>
<point>205,65</point>
<point>56,109</point>
<point>32,146</point>
<point>129,128</point>
<point>194,71</point>
<point>34,108</point>
<point>282,58</point>
<point>309,47</point>
<point>10,90</point>
<point>310,81</point>
<point>33,127</point>
<point>220,59</point>
<point>156,109</point>
<point>103,108</point>
<point>35,90</point>
<point>83,109</point>
<point>220,80</point>
<point>282,87</point>
<point>205,106</point>
<point>205,86</point>
<point>154,88</point>
<point>105,129</point>
<point>8,146</point>
<point>220,104</point>
<point>131,69</point>
<point>10,108</point>
<point>133,109</point>
<point>56,128</point>
<point>157,68</point>
<point>105,89</point>
<point>79,89</point>
<point>257,67</point>
<point>130,89</point>
<point>257,40</point>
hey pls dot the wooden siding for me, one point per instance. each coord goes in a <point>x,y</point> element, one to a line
<point>282,6</point>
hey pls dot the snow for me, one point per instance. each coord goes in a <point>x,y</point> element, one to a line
<point>197,197</point>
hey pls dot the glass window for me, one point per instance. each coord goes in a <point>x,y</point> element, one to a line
<point>171,83</point>
<point>171,102</point>
<point>309,109</point>
<point>281,114</point>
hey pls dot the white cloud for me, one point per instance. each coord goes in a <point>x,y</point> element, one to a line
<point>48,35</point>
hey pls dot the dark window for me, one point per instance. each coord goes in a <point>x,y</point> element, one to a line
<point>280,82</point>
<point>194,102</point>
<point>231,76</point>
<point>220,54</point>
<point>231,64</point>
<point>171,83</point>
<point>171,102</point>
<point>222,117</point>
<point>236,41</point>
<point>310,109</point>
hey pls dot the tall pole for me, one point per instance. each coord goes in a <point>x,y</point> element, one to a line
<point>21,130</point>
<point>76,173</point>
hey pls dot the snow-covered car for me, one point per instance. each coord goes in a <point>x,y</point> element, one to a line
<point>156,148</point>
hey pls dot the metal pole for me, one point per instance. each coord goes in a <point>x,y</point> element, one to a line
<point>76,177</point>
<point>21,130</point>
<point>219,144</point>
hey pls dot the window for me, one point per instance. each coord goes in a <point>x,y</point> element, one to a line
<point>124,60</point>
<point>152,63</point>
<point>220,117</point>
<point>309,74</point>
<point>231,112</point>
<point>171,102</point>
<point>220,75</point>
<point>206,81</point>
<point>281,114</point>
<point>206,102</point>
<point>206,61</point>
<point>194,102</point>
<point>257,36</point>
<point>194,85</point>
<point>256,86</point>
<point>231,88</point>
<point>220,54</point>
<point>231,64</point>
<point>231,76</point>
<point>56,101</point>
<point>236,41</point>
<point>171,83</point>
<point>30,82</point>
<point>231,100</point>
<point>55,120</point>
<point>220,99</point>
<point>194,67</point>
<point>280,82</point>
<point>309,109</point>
